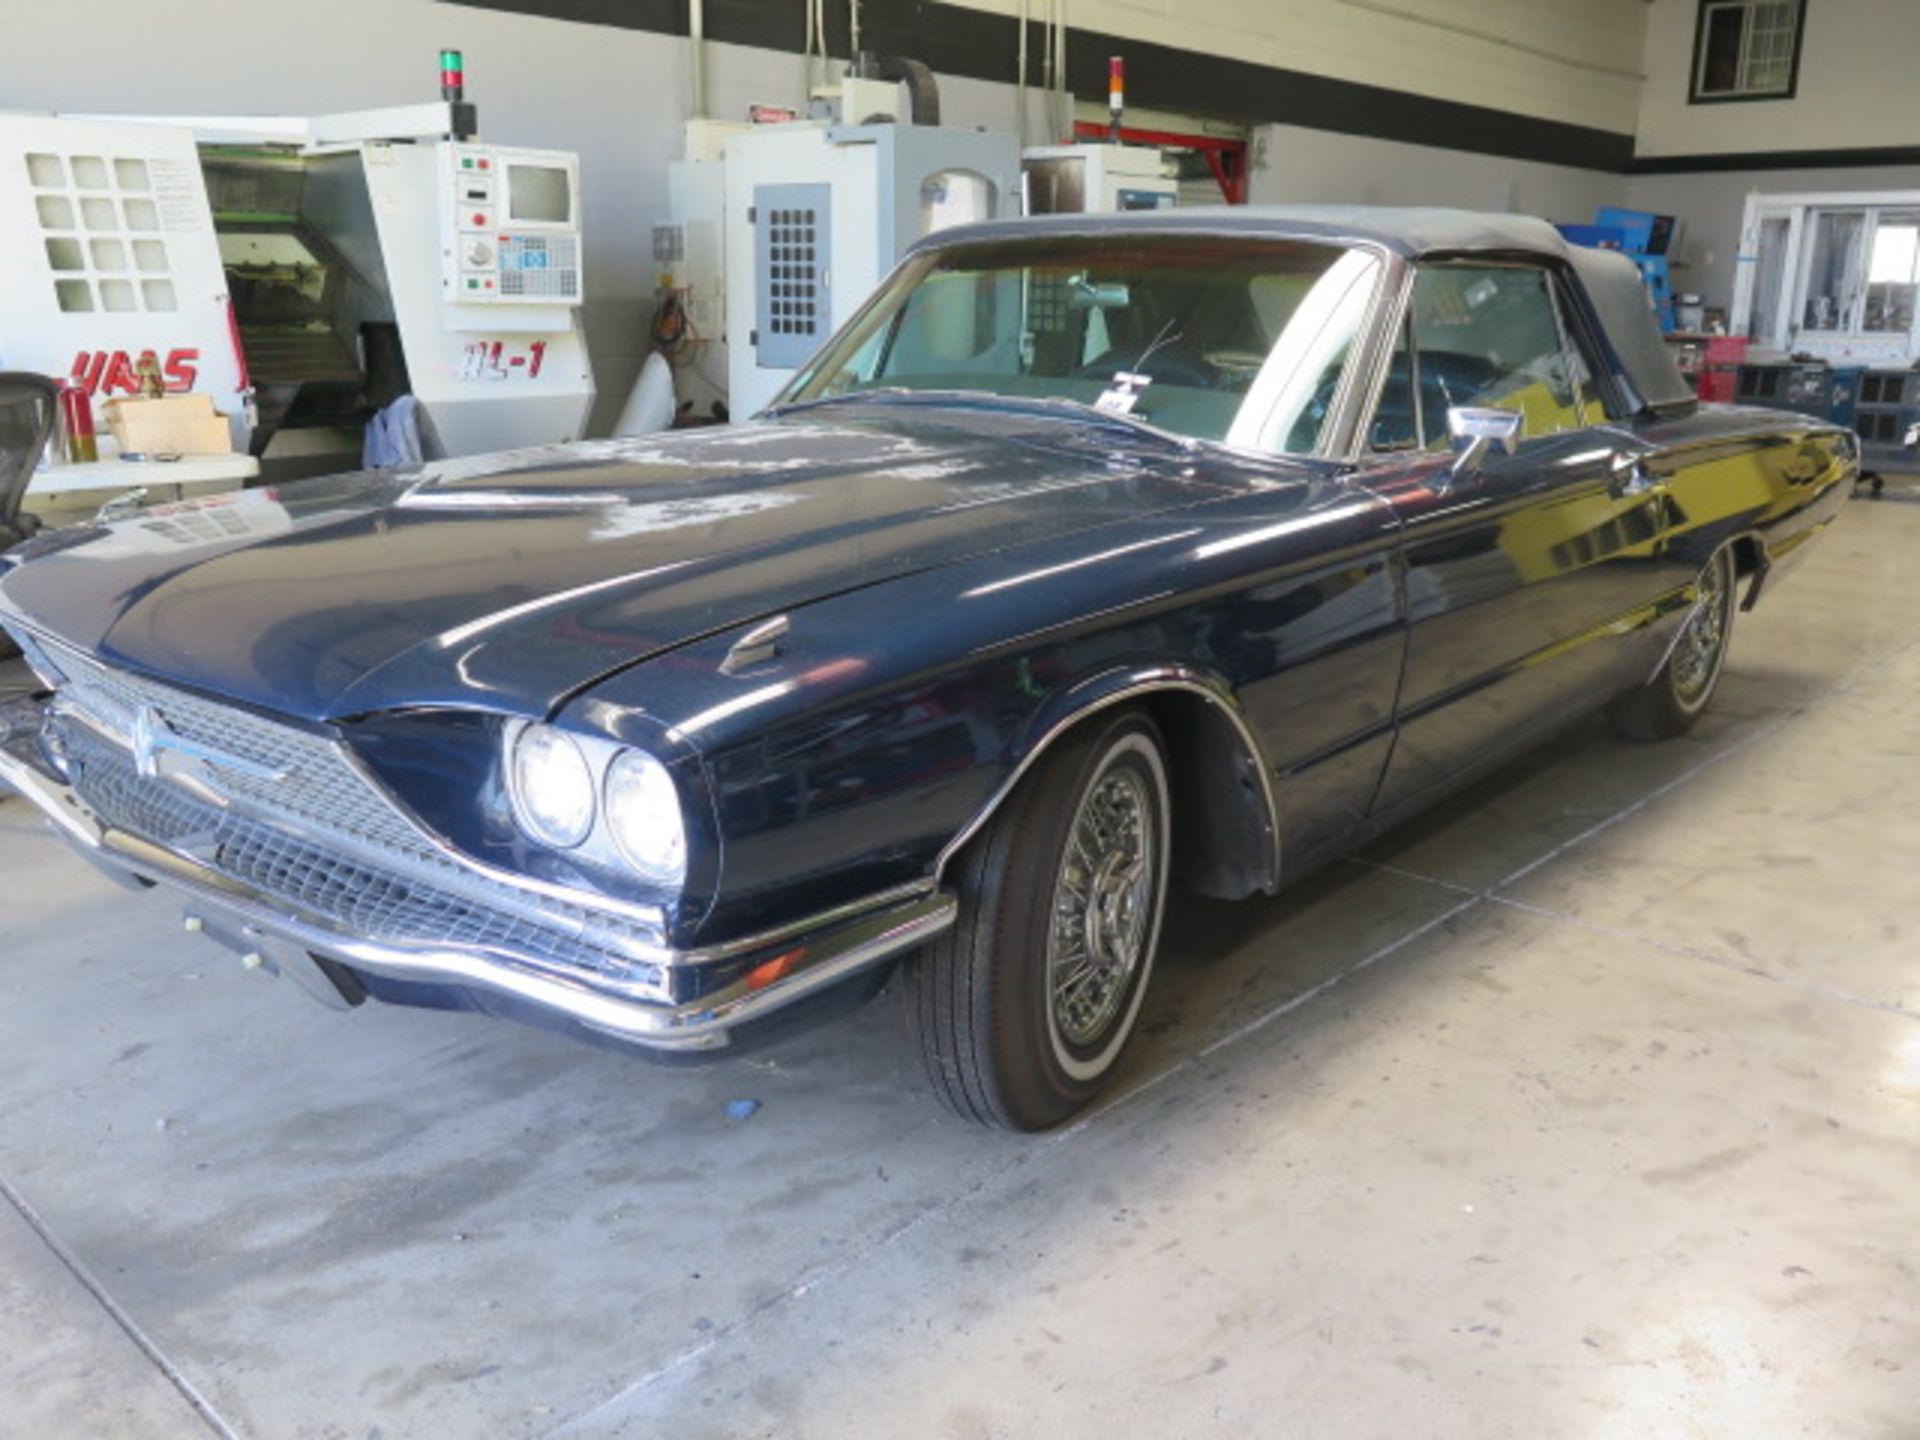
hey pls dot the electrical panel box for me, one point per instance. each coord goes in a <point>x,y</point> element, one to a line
<point>511,225</point>
<point>816,215</point>
<point>1096,179</point>
<point>792,238</point>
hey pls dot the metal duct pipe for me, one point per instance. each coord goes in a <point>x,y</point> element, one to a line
<point>1046,64</point>
<point>1020,75</point>
<point>697,54</point>
<point>923,91</point>
<point>1063,97</point>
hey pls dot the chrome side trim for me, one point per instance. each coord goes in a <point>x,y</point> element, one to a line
<point>1137,684</point>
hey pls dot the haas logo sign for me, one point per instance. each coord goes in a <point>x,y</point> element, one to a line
<point>106,372</point>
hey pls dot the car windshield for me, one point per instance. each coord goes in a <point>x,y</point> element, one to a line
<point>1239,340</point>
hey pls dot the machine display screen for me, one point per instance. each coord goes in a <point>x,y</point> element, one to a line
<point>539,193</point>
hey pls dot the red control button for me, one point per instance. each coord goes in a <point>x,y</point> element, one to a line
<point>483,165</point>
<point>479,219</point>
<point>489,284</point>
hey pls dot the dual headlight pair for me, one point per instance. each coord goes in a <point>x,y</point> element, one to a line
<point>564,799</point>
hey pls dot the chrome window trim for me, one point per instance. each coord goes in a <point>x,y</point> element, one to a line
<point>1343,439</point>
<point>1358,451</point>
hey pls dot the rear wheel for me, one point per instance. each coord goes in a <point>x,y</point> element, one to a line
<point>1668,705</point>
<point>1022,1008</point>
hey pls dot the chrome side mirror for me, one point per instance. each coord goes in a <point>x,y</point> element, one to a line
<point>1475,431</point>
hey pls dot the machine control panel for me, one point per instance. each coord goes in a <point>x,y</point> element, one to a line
<point>512,226</point>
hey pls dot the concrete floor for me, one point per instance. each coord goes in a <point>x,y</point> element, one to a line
<point>1589,1106</point>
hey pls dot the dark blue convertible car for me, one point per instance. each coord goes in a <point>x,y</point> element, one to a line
<point>1093,556</point>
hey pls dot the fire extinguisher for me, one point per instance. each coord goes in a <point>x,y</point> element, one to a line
<point>76,418</point>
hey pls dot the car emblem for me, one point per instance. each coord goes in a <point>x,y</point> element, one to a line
<point>162,753</point>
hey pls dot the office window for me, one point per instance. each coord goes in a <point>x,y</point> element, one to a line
<point>1747,49</point>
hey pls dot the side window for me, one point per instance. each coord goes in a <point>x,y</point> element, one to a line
<point>1490,336</point>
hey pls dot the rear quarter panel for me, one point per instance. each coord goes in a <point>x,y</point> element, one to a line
<point>1768,480</point>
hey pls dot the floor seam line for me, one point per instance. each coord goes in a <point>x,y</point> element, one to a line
<point>1780,722</point>
<point>1723,962</point>
<point>1772,727</point>
<point>127,1325</point>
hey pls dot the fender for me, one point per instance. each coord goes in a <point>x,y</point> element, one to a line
<point>1105,690</point>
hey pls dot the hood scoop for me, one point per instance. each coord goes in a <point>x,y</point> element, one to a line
<point>757,646</point>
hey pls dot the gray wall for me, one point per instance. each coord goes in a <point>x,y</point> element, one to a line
<point>1314,166</point>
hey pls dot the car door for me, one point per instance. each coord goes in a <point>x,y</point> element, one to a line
<point>1523,576</point>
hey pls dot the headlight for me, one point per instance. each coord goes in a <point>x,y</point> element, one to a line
<point>643,814</point>
<point>553,789</point>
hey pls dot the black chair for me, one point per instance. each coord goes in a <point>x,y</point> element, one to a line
<point>29,406</point>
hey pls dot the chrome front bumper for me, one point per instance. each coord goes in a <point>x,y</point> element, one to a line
<point>756,976</point>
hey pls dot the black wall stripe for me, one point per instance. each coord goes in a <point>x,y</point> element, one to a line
<point>956,40</point>
<point>1776,160</point>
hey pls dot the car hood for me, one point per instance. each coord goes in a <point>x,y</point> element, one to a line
<point>509,582</point>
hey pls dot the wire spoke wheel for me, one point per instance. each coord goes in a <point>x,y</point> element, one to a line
<point>1696,657</point>
<point>1024,1005</point>
<point>1103,899</point>
<point>1670,703</point>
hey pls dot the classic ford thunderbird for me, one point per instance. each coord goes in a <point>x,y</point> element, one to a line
<point>1091,557</point>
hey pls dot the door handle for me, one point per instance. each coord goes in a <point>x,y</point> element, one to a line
<point>1631,477</point>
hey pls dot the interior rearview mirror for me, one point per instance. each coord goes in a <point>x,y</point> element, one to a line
<point>1085,294</point>
<point>1476,430</point>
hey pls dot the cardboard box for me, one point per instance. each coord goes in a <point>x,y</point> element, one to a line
<point>171,425</point>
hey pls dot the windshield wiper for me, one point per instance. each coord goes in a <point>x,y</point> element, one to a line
<point>872,392</point>
<point>1084,410</point>
<point>995,400</point>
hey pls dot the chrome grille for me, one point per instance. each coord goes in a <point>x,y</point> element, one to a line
<point>320,788</point>
<point>322,838</point>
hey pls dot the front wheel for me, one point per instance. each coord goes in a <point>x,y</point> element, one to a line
<point>1022,1008</point>
<point>1668,705</point>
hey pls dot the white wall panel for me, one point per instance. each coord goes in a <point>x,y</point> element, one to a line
<point>1297,166</point>
<point>1856,85</point>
